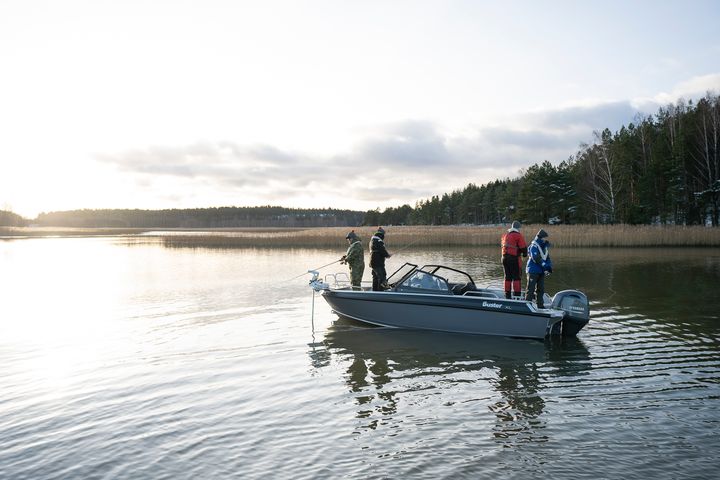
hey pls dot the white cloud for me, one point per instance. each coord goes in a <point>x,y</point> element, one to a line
<point>692,88</point>
<point>398,163</point>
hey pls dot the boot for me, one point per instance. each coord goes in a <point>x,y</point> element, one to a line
<point>507,294</point>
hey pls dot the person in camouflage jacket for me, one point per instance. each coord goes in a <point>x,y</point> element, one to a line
<point>355,259</point>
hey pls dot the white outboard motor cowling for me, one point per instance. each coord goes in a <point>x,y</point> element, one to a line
<point>576,308</point>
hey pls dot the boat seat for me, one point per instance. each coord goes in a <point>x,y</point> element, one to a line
<point>461,288</point>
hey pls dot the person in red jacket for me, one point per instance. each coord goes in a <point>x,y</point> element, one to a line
<point>513,246</point>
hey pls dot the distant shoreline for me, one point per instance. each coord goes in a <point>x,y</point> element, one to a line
<point>567,236</point>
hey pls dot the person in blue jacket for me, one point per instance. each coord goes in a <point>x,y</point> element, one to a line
<point>538,267</point>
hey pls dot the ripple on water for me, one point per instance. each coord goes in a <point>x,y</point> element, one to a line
<point>187,369</point>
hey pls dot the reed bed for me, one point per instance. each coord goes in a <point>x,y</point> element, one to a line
<point>67,231</point>
<point>118,231</point>
<point>568,236</point>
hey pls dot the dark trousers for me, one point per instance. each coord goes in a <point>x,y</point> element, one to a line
<point>511,266</point>
<point>536,282</point>
<point>379,276</point>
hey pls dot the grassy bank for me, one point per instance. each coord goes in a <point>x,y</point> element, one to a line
<point>398,237</point>
<point>67,231</point>
<point>13,232</point>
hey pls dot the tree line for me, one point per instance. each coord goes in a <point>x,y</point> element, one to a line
<point>222,217</point>
<point>659,169</point>
<point>10,219</point>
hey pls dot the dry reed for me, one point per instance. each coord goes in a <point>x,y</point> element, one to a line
<point>449,236</point>
<point>67,231</point>
<point>404,236</point>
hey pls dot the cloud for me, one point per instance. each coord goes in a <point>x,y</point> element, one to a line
<point>693,88</point>
<point>583,119</point>
<point>526,138</point>
<point>597,116</point>
<point>402,144</point>
<point>222,162</point>
<point>395,164</point>
<point>390,164</point>
<point>373,193</point>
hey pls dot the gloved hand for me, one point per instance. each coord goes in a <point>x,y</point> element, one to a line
<point>343,259</point>
<point>549,269</point>
<point>547,273</point>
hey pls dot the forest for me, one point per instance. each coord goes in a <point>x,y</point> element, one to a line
<point>10,219</point>
<point>659,169</point>
<point>223,217</point>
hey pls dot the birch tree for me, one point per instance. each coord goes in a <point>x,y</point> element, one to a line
<point>705,156</point>
<point>602,184</point>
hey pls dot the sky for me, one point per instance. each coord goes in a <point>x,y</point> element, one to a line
<point>314,104</point>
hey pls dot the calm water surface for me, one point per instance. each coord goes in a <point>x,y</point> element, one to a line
<point>121,358</point>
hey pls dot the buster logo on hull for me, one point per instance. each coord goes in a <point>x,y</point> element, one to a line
<point>492,305</point>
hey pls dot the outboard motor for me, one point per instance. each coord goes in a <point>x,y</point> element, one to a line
<point>576,308</point>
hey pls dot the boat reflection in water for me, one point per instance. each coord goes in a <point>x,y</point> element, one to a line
<point>399,376</point>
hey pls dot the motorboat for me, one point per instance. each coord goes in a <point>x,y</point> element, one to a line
<point>437,297</point>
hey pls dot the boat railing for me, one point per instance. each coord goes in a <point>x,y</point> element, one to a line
<point>339,280</point>
<point>481,294</point>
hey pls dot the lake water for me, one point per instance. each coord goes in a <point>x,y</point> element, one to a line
<point>122,358</point>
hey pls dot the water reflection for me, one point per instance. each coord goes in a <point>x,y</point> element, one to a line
<point>389,372</point>
<point>520,406</point>
<point>669,285</point>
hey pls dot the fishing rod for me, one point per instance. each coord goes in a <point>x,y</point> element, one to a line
<point>340,260</point>
<point>407,246</point>
<point>318,268</point>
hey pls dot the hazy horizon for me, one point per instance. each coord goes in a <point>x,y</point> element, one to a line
<point>188,208</point>
<point>159,105</point>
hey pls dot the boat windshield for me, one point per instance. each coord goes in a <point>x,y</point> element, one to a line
<point>420,280</point>
<point>452,275</point>
<point>399,274</point>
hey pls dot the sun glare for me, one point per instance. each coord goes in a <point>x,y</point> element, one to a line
<point>62,317</point>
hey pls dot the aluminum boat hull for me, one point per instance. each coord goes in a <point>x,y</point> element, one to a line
<point>447,313</point>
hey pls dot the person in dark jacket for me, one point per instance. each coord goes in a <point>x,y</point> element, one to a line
<point>513,246</point>
<point>378,254</point>
<point>538,267</point>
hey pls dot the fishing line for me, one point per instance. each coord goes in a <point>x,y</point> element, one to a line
<point>408,245</point>
<point>336,261</point>
<point>318,268</point>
